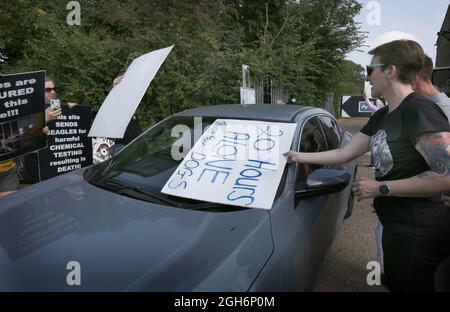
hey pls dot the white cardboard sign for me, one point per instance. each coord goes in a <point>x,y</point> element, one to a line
<point>122,101</point>
<point>235,162</point>
<point>248,96</point>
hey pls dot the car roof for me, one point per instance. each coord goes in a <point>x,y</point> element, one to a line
<point>270,112</point>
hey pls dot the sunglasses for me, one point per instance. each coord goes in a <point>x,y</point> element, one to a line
<point>50,89</point>
<point>371,67</point>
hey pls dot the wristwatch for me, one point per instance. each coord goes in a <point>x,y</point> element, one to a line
<point>384,189</point>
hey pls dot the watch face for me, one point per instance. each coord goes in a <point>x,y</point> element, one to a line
<point>384,189</point>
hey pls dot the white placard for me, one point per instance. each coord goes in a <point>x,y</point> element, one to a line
<point>235,162</point>
<point>122,101</point>
<point>248,96</point>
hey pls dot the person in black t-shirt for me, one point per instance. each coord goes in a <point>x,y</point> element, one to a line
<point>410,139</point>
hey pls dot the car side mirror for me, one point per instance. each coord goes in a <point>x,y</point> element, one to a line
<point>324,181</point>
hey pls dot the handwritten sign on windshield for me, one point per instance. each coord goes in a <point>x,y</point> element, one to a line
<point>235,162</point>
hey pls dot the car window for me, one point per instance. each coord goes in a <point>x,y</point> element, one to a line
<point>148,162</point>
<point>332,133</point>
<point>312,140</point>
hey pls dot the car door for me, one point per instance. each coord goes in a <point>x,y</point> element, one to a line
<point>335,136</point>
<point>318,215</point>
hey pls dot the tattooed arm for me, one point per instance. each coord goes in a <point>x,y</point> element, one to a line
<point>435,149</point>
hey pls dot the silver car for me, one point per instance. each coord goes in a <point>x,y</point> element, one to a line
<point>112,223</point>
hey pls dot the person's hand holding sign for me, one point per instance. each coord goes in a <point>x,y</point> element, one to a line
<point>117,80</point>
<point>292,157</point>
<point>51,114</point>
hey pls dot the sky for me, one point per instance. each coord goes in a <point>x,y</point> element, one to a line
<point>387,20</point>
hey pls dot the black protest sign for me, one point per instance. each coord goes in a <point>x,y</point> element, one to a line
<point>21,114</point>
<point>69,147</point>
<point>356,106</point>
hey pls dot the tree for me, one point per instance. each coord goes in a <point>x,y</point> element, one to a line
<point>352,78</point>
<point>305,45</point>
<point>301,44</point>
<point>351,81</point>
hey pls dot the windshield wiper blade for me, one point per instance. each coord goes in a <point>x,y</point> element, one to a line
<point>209,205</point>
<point>122,187</point>
<point>140,193</point>
<point>201,206</point>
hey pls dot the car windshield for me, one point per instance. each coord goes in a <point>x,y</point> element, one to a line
<point>144,166</point>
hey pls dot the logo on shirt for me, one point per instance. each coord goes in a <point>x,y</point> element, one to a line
<point>381,153</point>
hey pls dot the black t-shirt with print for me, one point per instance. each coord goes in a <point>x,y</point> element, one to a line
<point>393,139</point>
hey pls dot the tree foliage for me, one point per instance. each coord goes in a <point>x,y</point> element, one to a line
<point>302,44</point>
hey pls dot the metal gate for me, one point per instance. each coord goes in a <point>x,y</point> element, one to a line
<point>269,91</point>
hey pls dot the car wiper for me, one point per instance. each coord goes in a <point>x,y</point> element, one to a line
<point>209,205</point>
<point>127,189</point>
<point>201,206</point>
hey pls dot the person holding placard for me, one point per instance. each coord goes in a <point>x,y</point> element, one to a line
<point>133,129</point>
<point>9,177</point>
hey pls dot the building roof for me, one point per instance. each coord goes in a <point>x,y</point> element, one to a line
<point>445,24</point>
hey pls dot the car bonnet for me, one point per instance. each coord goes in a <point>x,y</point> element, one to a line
<point>121,243</point>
